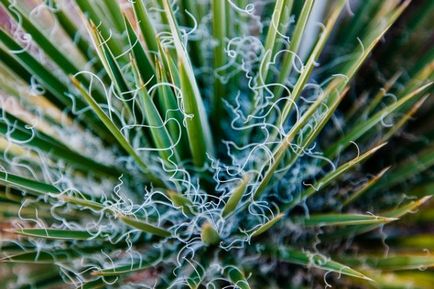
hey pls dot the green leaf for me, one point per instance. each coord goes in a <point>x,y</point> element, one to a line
<point>374,33</point>
<point>9,196</point>
<point>394,213</point>
<point>179,201</point>
<point>342,220</point>
<point>361,128</point>
<point>43,42</point>
<point>273,31</point>
<point>407,208</point>
<point>195,129</point>
<point>47,257</point>
<point>196,9</point>
<point>288,59</point>
<point>159,132</point>
<point>45,277</point>
<point>41,188</point>
<point>376,100</point>
<point>315,260</point>
<point>145,24</point>
<point>143,64</point>
<point>359,21</point>
<point>82,202</point>
<point>116,133</point>
<point>27,184</point>
<point>90,11</point>
<point>76,36</point>
<point>58,234</point>
<point>419,241</point>
<point>147,261</point>
<point>349,70</point>
<point>17,130</point>
<point>169,107</point>
<point>311,62</point>
<point>402,279</point>
<point>209,235</point>
<point>113,69</point>
<point>8,61</point>
<point>50,49</point>
<point>56,87</point>
<point>365,187</point>
<point>331,176</point>
<point>144,226</point>
<point>11,211</point>
<point>169,68</point>
<point>198,130</point>
<point>235,197</point>
<point>115,14</point>
<point>236,276</point>
<point>397,262</point>
<point>268,170</point>
<point>219,33</point>
<point>197,277</point>
<point>336,95</point>
<point>423,161</point>
<point>404,119</point>
<point>265,227</point>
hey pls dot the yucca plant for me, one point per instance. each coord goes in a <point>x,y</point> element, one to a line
<point>216,144</point>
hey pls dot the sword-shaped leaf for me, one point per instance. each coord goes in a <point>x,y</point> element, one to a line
<point>198,130</point>
<point>58,234</point>
<point>159,132</point>
<point>91,12</point>
<point>395,262</point>
<point>288,59</point>
<point>17,130</point>
<point>51,82</point>
<point>76,36</point>
<point>219,34</point>
<point>144,226</point>
<point>112,67</point>
<point>181,202</point>
<point>314,260</point>
<point>365,187</point>
<point>235,197</point>
<point>394,213</point>
<point>265,227</point>
<point>49,47</point>
<point>281,149</point>
<point>331,176</point>
<point>144,66</point>
<point>123,142</point>
<point>311,62</point>
<point>342,220</point>
<point>169,109</point>
<point>82,202</point>
<point>274,29</point>
<point>423,161</point>
<point>362,127</point>
<point>148,32</point>
<point>147,261</point>
<point>48,257</point>
<point>9,179</point>
<point>115,14</point>
<point>58,90</point>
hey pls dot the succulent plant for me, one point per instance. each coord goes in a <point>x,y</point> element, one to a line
<point>216,144</point>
